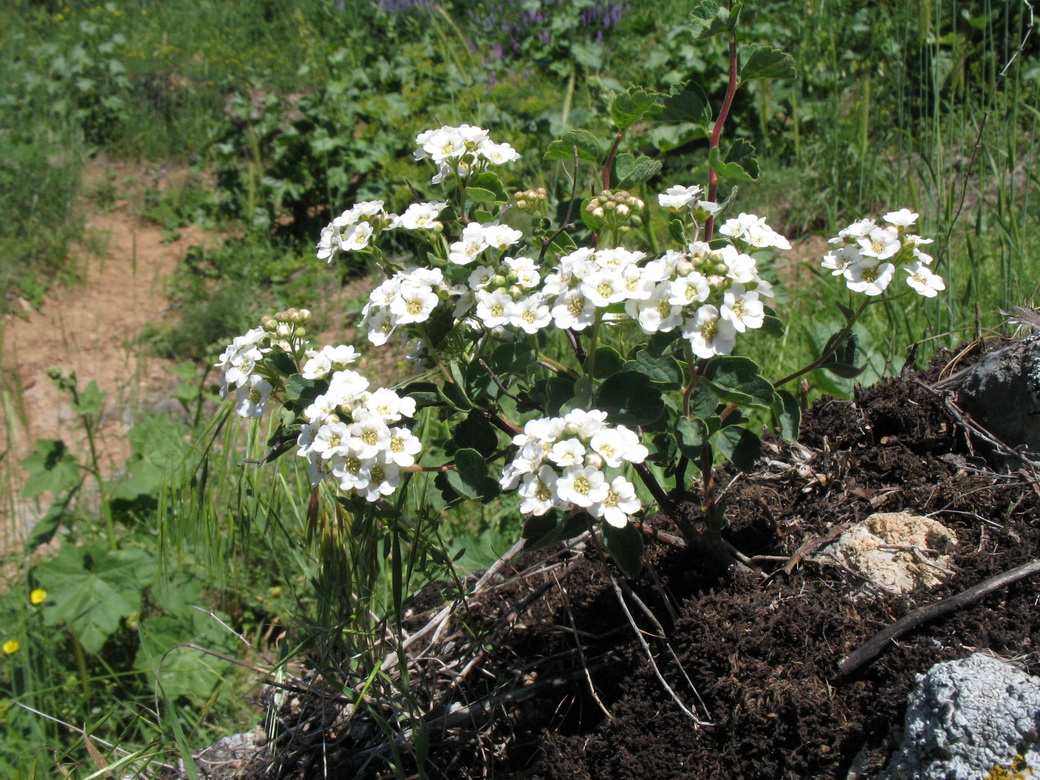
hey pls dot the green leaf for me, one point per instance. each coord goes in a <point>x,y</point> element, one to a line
<point>703,401</point>
<point>51,468</point>
<point>157,443</point>
<point>631,106</point>
<point>709,19</point>
<point>424,393</point>
<point>548,395</point>
<point>843,362</point>
<point>739,380</point>
<point>687,102</point>
<point>664,449</point>
<point>91,591</point>
<point>677,230</point>
<point>740,447</point>
<point>629,398</point>
<point>664,371</point>
<point>489,182</point>
<point>787,415</point>
<point>587,144</point>
<point>475,432</point>
<point>297,388</point>
<point>641,171</point>
<point>607,361</point>
<point>542,530</point>
<point>690,437</point>
<point>511,359</point>
<point>454,396</point>
<point>470,479</point>
<point>739,165</point>
<point>765,62</point>
<point>90,401</point>
<point>282,363</point>
<point>185,672</point>
<point>625,546</point>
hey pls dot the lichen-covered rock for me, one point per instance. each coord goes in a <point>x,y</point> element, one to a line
<point>969,719</point>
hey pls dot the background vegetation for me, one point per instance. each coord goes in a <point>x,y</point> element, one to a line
<point>290,112</point>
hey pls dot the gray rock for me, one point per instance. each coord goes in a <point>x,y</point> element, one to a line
<point>967,718</point>
<point>1002,394</point>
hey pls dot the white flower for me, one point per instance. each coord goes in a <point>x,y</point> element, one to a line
<point>742,309</point>
<point>369,436</point>
<point>530,314</point>
<point>923,280</point>
<point>619,503</point>
<point>582,486</point>
<point>403,447</point>
<point>421,216</point>
<point>869,276</point>
<point>389,405</point>
<point>573,310</point>
<point>617,445</point>
<point>569,452</point>
<point>414,303</point>
<point>252,396</point>
<point>538,492</point>
<point>837,260</point>
<point>383,479</point>
<point>656,313</point>
<point>331,439</point>
<point>678,197</point>
<point>604,287</point>
<point>497,154</point>
<point>586,423</point>
<point>708,334</point>
<point>355,237</point>
<point>688,289</point>
<point>753,231</point>
<point>470,244</point>
<point>881,243</point>
<point>903,218</point>
<point>494,309</point>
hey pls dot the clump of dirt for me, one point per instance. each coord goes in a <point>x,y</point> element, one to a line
<point>558,668</point>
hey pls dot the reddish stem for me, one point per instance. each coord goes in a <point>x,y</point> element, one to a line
<point>716,133</point>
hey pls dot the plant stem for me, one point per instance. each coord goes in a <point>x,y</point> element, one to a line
<point>716,133</point>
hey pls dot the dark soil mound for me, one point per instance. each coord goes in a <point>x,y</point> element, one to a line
<point>543,674</point>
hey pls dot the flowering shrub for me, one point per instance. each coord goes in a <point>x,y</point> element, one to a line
<point>582,366</point>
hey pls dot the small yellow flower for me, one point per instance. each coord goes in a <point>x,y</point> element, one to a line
<point>10,647</point>
<point>37,596</point>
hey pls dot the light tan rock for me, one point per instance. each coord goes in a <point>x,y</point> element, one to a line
<point>896,551</point>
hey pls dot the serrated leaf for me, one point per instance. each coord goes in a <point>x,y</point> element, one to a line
<point>90,400</point>
<point>92,591</point>
<point>765,62</point>
<point>709,19</point>
<point>185,672</point>
<point>625,546</point>
<point>688,102</point>
<point>739,380</point>
<point>642,171</point>
<point>629,398</point>
<point>736,166</point>
<point>51,468</point>
<point>739,446</point>
<point>703,401</point>
<point>787,415</point>
<point>631,106</point>
<point>587,144</point>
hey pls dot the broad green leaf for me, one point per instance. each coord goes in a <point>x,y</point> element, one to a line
<point>282,363</point>
<point>475,432</point>
<point>631,106</point>
<point>765,62</point>
<point>587,144</point>
<point>843,362</point>
<point>91,591</point>
<point>739,165</point>
<point>51,468</point>
<point>91,401</point>
<point>787,415</point>
<point>480,195</point>
<point>453,395</point>
<point>677,230</point>
<point>664,449</point>
<point>641,171</point>
<point>703,401</point>
<point>607,361</point>
<point>659,343</point>
<point>510,359</point>
<point>470,479</point>
<point>157,443</point>
<point>490,182</point>
<point>629,398</point>
<point>688,102</point>
<point>298,388</point>
<point>424,393</point>
<point>740,447</point>
<point>542,530</point>
<point>185,672</point>
<point>690,437</point>
<point>663,371</point>
<point>739,380</point>
<point>625,546</point>
<point>548,395</point>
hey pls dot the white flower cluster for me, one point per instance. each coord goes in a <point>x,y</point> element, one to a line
<point>238,362</point>
<point>461,151</point>
<point>408,297</point>
<point>351,438</point>
<point>357,227</point>
<point>866,254</point>
<point>562,462</point>
<point>680,198</point>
